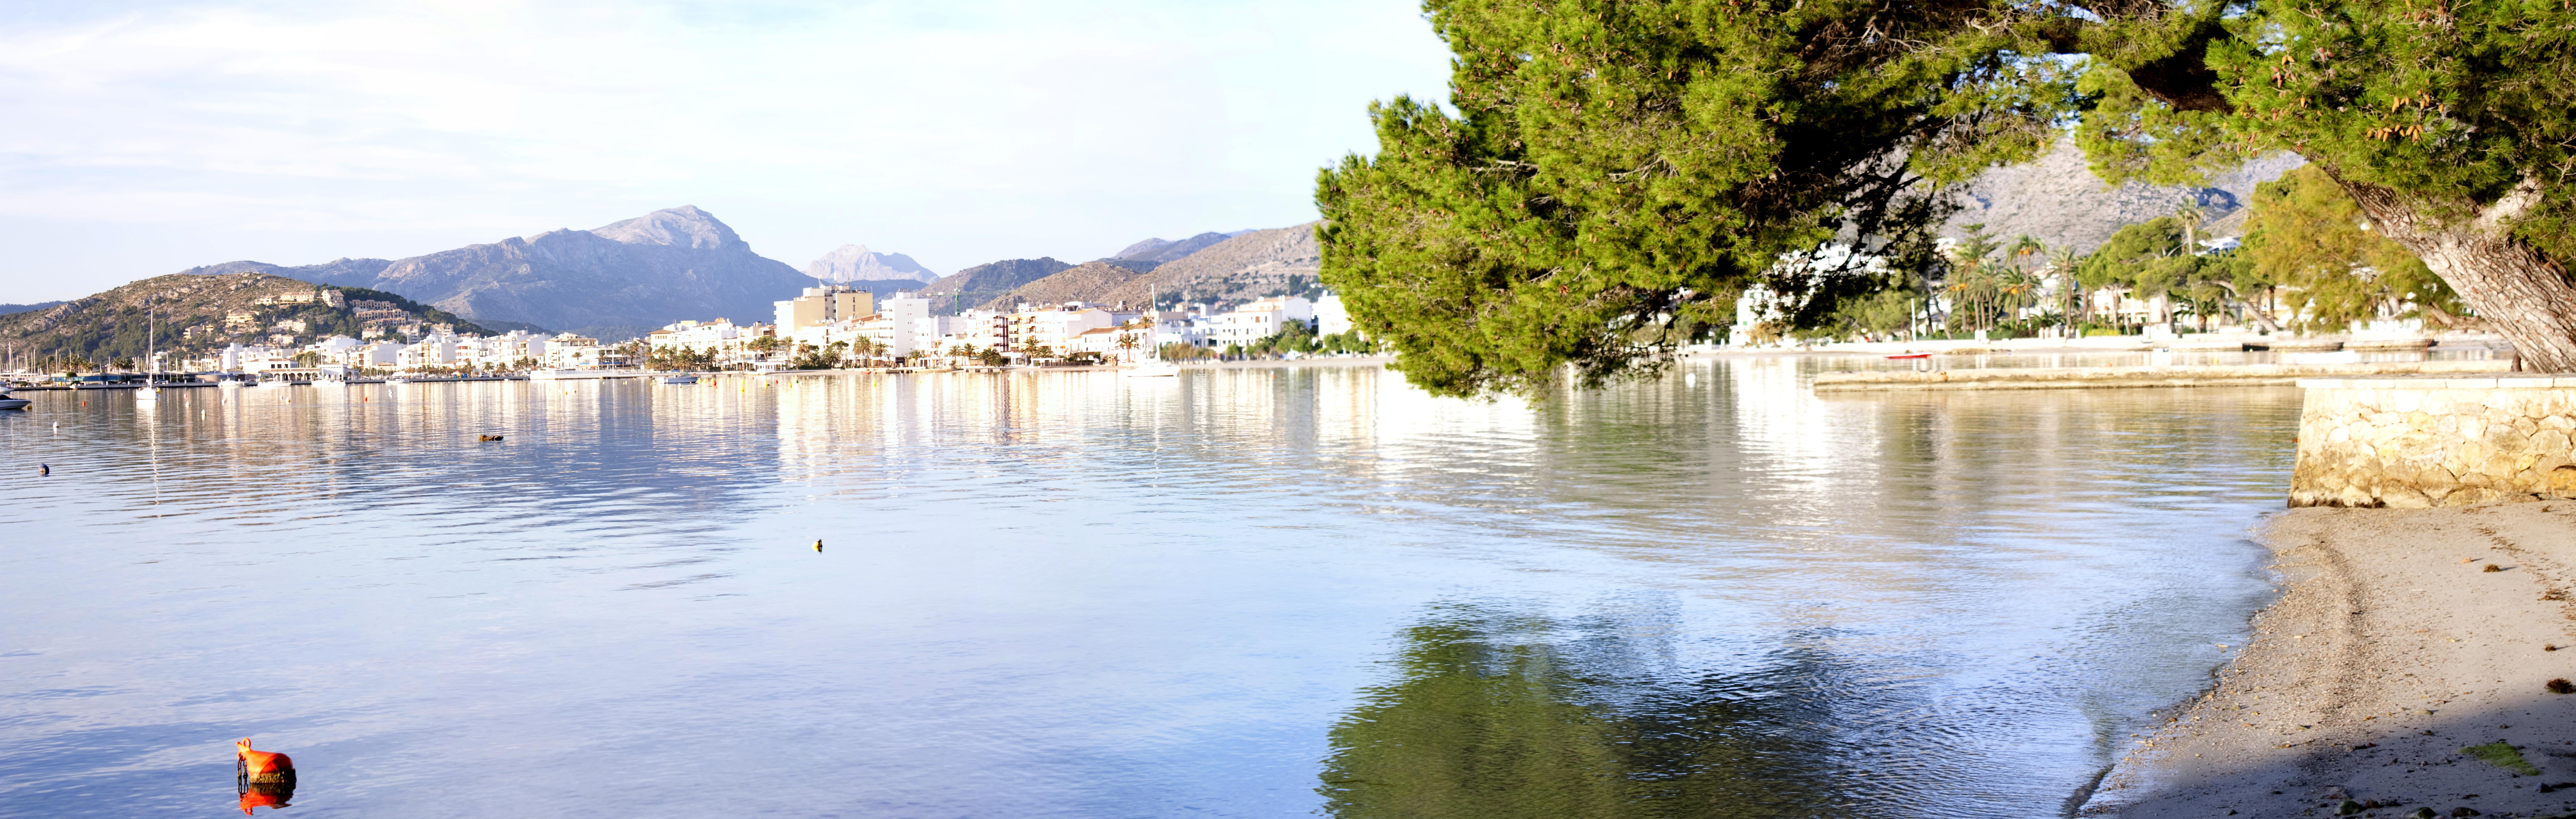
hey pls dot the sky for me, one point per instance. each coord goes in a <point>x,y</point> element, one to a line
<point>146,138</point>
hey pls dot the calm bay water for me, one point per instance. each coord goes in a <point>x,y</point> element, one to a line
<point>1246,592</point>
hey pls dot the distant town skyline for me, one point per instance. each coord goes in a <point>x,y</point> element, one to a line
<point>150,137</point>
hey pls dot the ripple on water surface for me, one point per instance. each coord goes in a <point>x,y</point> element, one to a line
<point>1240,592</point>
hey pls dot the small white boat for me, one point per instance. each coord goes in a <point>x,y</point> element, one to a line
<point>679,379</point>
<point>230,383</point>
<point>1154,367</point>
<point>150,391</point>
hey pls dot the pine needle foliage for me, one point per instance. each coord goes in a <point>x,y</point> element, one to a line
<point>1609,176</point>
<point>1613,175</point>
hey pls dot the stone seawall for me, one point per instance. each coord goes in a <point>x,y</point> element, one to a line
<point>2213,375</point>
<point>2421,442</point>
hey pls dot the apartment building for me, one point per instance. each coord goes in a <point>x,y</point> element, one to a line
<point>1257,320</point>
<point>824,305</point>
<point>1129,342</point>
<point>1055,327</point>
<point>1330,317</point>
<point>979,329</point>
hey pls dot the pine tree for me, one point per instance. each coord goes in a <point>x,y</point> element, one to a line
<point>1610,176</point>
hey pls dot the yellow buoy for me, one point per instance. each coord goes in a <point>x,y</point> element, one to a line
<point>818,545</point>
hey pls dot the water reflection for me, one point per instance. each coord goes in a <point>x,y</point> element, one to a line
<point>1071,594</point>
<point>1497,713</point>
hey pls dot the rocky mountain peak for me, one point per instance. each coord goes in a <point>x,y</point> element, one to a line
<point>683,226</point>
<point>852,263</point>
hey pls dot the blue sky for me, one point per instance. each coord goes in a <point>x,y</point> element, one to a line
<point>145,138</point>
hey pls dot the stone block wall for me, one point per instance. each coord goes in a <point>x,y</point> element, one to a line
<point>2418,442</point>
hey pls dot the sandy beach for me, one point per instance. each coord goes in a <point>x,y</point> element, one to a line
<point>2402,640</point>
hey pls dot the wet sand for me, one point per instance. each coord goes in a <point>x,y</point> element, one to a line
<point>2392,648</point>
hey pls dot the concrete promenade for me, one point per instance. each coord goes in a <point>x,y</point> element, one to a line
<point>2216,375</point>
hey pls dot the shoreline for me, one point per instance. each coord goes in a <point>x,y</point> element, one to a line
<point>2390,651</point>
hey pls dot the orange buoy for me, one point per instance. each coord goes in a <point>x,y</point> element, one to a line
<point>265,777</point>
<point>262,767</point>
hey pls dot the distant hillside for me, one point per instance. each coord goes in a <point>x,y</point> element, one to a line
<point>2058,201</point>
<point>1255,264</point>
<point>856,263</point>
<point>1086,282</point>
<point>197,313</point>
<point>6,309</point>
<point>1157,250</point>
<point>975,285</point>
<point>615,282</point>
<point>883,288</point>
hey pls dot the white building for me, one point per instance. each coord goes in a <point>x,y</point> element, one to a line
<point>906,318</point>
<point>977,329</point>
<point>1176,327</point>
<point>1055,327</point>
<point>434,350</point>
<point>1330,318</point>
<point>1257,320</point>
<point>1126,342</point>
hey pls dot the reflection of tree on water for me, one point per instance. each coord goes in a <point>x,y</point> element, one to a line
<point>1510,716</point>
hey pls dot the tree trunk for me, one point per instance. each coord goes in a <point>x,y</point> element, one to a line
<point>2524,295</point>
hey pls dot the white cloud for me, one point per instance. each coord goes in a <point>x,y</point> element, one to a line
<point>961,133</point>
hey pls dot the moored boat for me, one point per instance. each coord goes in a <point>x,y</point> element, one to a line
<point>8,402</point>
<point>679,379</point>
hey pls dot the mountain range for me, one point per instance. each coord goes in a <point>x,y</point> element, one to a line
<point>614,282</point>
<point>620,280</point>
<point>856,263</point>
<point>1223,268</point>
<point>976,285</point>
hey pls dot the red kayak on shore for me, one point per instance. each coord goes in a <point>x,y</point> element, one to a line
<point>1912,355</point>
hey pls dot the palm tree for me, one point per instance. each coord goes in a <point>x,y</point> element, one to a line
<point>2062,264</point>
<point>2025,250</point>
<point>2190,217</point>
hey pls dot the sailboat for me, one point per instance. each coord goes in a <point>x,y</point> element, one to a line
<point>151,389</point>
<point>1156,367</point>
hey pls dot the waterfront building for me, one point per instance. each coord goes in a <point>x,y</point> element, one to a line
<point>1259,319</point>
<point>979,329</point>
<point>1054,327</point>
<point>566,351</point>
<point>1179,327</point>
<point>904,316</point>
<point>435,350</point>
<point>1330,318</point>
<point>1105,342</point>
<point>824,305</point>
